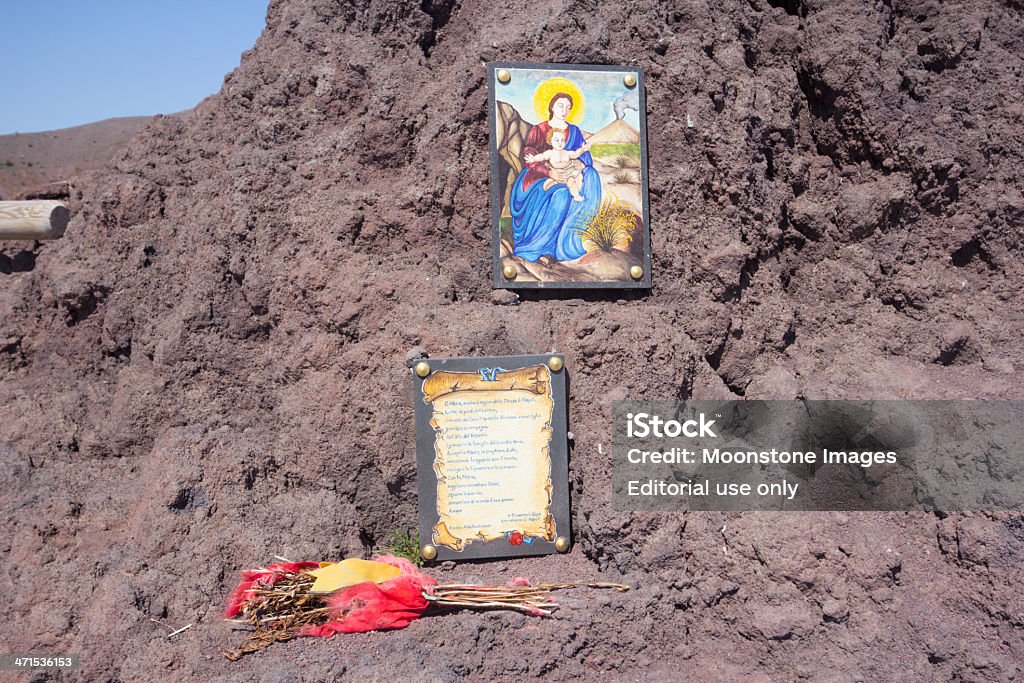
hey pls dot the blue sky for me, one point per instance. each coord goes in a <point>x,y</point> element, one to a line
<point>601,88</point>
<point>65,63</point>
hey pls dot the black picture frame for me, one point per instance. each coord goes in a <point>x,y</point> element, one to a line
<point>558,451</point>
<point>499,280</point>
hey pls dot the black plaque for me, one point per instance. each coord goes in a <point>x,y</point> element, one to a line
<point>571,212</point>
<point>492,456</point>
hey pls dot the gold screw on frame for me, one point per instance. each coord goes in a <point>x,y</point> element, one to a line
<point>562,544</point>
<point>636,272</point>
<point>504,75</point>
<point>429,552</point>
<point>510,272</point>
<point>422,369</point>
<point>555,363</point>
<point>629,80</point>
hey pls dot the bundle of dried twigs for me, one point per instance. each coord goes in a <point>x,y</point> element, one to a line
<point>533,600</point>
<point>279,612</point>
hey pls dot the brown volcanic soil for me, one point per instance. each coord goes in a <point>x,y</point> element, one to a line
<point>209,369</point>
<point>28,160</point>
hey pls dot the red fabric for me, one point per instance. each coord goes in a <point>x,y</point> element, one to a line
<point>253,578</point>
<point>372,606</point>
<point>536,142</point>
<point>365,606</point>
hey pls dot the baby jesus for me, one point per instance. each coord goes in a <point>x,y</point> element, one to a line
<point>566,167</point>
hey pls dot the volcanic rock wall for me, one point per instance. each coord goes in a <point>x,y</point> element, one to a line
<point>209,369</point>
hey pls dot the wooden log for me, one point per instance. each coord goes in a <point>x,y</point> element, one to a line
<point>33,220</point>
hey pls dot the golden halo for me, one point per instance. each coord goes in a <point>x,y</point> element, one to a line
<point>546,90</point>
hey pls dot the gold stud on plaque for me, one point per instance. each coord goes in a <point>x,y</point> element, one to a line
<point>636,272</point>
<point>555,363</point>
<point>562,544</point>
<point>509,272</point>
<point>629,80</point>
<point>504,76</point>
<point>422,370</point>
<point>429,552</point>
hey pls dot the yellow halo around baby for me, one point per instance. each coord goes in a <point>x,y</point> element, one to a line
<point>546,90</point>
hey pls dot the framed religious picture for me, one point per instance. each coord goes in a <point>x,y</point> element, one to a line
<point>492,456</point>
<point>569,176</point>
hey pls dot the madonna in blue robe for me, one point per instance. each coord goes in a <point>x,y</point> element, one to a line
<point>544,221</point>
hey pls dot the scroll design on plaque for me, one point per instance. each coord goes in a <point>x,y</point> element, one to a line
<point>492,455</point>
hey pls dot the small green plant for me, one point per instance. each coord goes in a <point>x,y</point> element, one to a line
<point>622,177</point>
<point>405,544</point>
<point>623,161</point>
<point>608,227</point>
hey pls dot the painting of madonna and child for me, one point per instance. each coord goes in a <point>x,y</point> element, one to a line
<point>569,176</point>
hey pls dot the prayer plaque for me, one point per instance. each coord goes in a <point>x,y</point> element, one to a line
<point>492,456</point>
<point>569,176</point>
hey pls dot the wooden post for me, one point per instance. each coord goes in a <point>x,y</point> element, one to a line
<point>34,220</point>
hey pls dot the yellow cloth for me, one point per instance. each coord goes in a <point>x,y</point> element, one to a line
<point>349,572</point>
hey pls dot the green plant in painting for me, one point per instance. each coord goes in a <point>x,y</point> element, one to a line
<point>505,227</point>
<point>608,227</point>
<point>405,544</point>
<point>622,177</point>
<point>629,152</point>
<point>622,161</point>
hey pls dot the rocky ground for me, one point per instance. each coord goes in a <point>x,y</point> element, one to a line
<point>208,370</point>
